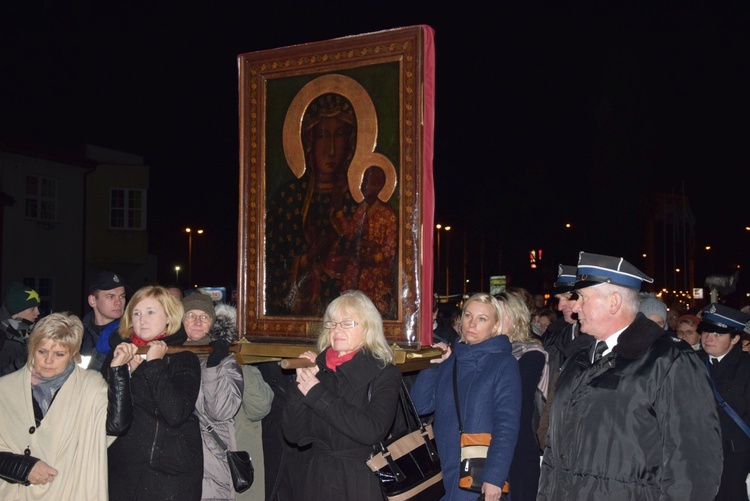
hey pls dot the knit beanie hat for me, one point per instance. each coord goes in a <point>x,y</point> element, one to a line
<point>653,306</point>
<point>199,301</point>
<point>20,297</point>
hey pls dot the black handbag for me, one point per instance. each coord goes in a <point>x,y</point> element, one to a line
<point>241,468</point>
<point>408,466</point>
<point>240,463</point>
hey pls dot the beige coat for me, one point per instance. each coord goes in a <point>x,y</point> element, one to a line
<point>72,437</point>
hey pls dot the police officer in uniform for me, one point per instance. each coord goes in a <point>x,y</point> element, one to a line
<point>633,415</point>
<point>721,329</point>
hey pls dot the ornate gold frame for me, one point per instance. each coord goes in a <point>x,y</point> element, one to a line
<point>275,88</point>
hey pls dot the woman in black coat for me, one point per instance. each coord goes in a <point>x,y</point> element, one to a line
<point>534,368</point>
<point>330,410</point>
<point>161,456</point>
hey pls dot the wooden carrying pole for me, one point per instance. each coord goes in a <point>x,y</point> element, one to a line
<point>202,349</point>
<point>296,363</point>
<point>407,361</point>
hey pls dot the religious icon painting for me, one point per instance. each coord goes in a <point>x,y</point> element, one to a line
<point>336,189</point>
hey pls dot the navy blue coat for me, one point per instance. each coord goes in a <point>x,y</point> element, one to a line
<point>489,388</point>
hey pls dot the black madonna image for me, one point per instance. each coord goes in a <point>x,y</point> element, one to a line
<point>331,228</point>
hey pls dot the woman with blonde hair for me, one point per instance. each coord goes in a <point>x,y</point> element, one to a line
<point>344,404</point>
<point>161,457</point>
<point>488,388</point>
<point>58,419</point>
<point>533,363</point>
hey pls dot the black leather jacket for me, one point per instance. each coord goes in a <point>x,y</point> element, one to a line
<point>15,468</point>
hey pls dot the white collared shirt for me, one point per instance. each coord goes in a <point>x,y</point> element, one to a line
<point>612,342</point>
<point>712,358</point>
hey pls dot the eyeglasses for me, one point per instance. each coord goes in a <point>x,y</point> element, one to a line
<point>345,324</point>
<point>192,317</point>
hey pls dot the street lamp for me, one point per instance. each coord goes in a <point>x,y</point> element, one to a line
<point>190,253</point>
<point>177,275</point>
<point>447,264</point>
<point>466,280</point>
<point>439,263</point>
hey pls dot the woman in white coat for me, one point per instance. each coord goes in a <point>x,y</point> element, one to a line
<point>58,419</point>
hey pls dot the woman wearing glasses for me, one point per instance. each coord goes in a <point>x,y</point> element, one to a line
<point>220,395</point>
<point>344,404</point>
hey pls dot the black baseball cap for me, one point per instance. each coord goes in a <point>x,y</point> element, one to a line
<point>106,281</point>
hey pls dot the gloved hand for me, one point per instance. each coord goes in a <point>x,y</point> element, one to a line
<point>221,350</point>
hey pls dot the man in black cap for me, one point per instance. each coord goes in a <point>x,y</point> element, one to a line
<point>558,337</point>
<point>107,298</point>
<point>721,329</point>
<point>633,415</point>
<point>566,328</point>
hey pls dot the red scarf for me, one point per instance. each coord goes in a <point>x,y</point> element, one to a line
<point>333,360</point>
<point>140,342</point>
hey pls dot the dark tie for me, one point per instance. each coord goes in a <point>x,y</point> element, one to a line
<point>601,347</point>
<point>714,361</point>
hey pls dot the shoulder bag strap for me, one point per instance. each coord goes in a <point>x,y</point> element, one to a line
<point>724,405</point>
<point>209,428</point>
<point>455,398</point>
<point>413,424</point>
<point>410,410</point>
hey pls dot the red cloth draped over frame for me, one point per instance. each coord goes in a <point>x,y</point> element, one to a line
<point>428,185</point>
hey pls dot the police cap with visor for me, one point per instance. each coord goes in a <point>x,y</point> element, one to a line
<point>595,269</point>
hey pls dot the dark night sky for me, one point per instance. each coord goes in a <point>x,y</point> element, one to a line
<point>546,112</point>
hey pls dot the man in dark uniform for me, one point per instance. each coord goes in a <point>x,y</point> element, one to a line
<point>557,338</point>
<point>565,329</point>
<point>721,329</point>
<point>633,415</point>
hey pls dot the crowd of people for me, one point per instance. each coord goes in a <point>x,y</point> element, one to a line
<point>121,409</point>
<point>610,395</point>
